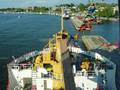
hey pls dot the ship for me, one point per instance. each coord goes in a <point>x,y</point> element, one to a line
<point>66,15</point>
<point>61,65</point>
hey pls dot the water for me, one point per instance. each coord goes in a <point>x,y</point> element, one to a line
<point>21,33</point>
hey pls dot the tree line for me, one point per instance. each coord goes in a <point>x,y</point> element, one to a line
<point>103,9</point>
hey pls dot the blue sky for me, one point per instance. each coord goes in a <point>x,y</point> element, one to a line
<point>26,3</point>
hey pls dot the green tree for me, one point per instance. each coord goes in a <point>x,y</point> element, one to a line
<point>40,9</point>
<point>82,7</point>
<point>106,11</point>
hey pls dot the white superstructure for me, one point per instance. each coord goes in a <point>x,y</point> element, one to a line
<point>99,75</point>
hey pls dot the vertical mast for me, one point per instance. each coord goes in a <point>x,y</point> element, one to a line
<point>62,22</point>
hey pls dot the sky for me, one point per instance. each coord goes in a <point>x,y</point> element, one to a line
<point>26,3</point>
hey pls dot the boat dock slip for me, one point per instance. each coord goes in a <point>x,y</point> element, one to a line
<point>93,42</point>
<point>76,22</point>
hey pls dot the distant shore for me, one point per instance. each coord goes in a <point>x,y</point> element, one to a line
<point>49,13</point>
<point>53,13</point>
<point>109,19</point>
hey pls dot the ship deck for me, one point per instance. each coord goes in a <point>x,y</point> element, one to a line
<point>68,75</point>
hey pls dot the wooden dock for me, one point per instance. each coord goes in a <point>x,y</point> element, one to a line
<point>76,22</point>
<point>93,42</point>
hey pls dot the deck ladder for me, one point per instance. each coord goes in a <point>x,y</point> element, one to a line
<point>34,76</point>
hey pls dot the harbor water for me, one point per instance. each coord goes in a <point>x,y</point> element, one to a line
<point>22,33</point>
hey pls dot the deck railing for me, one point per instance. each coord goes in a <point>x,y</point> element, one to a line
<point>92,54</point>
<point>53,76</point>
<point>25,57</point>
<point>20,66</point>
<point>87,74</point>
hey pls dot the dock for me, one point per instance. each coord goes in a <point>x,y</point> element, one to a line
<point>93,42</point>
<point>76,22</point>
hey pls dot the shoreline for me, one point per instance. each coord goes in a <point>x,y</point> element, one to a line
<point>40,13</point>
<point>109,19</point>
<point>57,14</point>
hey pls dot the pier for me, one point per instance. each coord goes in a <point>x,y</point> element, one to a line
<point>93,42</point>
<point>76,22</point>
